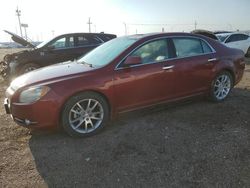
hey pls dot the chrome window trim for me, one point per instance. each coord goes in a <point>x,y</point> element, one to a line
<point>89,45</point>
<point>164,60</point>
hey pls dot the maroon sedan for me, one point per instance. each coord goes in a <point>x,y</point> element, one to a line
<point>123,74</point>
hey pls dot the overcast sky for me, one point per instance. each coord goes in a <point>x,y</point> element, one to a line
<point>46,18</point>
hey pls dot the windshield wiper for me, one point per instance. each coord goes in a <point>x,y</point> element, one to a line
<point>83,62</point>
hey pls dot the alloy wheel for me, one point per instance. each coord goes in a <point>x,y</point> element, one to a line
<point>86,115</point>
<point>222,86</point>
<point>28,69</point>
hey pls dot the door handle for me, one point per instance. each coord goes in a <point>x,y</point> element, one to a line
<point>212,59</point>
<point>168,67</point>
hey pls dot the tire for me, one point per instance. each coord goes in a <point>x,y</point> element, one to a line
<point>85,114</point>
<point>248,52</point>
<point>221,86</point>
<point>28,67</point>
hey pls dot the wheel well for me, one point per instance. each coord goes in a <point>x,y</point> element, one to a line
<point>248,52</point>
<point>77,93</point>
<point>231,72</point>
<point>21,65</point>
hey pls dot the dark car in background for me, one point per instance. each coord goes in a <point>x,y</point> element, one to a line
<point>61,48</point>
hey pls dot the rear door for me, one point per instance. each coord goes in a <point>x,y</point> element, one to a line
<point>85,43</point>
<point>193,65</point>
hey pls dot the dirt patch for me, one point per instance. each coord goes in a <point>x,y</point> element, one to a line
<point>196,144</point>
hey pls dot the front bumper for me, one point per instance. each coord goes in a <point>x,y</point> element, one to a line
<point>8,69</point>
<point>4,69</point>
<point>41,114</point>
<point>7,105</point>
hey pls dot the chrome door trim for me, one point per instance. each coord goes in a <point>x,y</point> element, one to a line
<point>169,59</point>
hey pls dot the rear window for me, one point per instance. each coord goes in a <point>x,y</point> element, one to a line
<point>206,48</point>
<point>85,40</point>
<point>186,47</point>
<point>106,37</point>
<point>82,41</point>
<point>237,37</point>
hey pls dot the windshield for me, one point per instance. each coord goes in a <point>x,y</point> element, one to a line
<point>43,43</point>
<point>222,37</point>
<point>108,51</point>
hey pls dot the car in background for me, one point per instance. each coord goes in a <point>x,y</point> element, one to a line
<point>236,40</point>
<point>206,33</point>
<point>124,74</point>
<point>61,48</point>
<point>230,39</point>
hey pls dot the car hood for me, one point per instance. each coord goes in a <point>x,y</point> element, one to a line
<point>20,40</point>
<point>206,33</point>
<point>46,74</point>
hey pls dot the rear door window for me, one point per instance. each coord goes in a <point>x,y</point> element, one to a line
<point>232,38</point>
<point>237,37</point>
<point>82,41</point>
<point>186,47</point>
<point>242,37</point>
<point>85,40</point>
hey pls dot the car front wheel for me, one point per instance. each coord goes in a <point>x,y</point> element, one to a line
<point>28,67</point>
<point>85,114</point>
<point>221,86</point>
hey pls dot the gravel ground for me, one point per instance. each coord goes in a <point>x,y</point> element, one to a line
<point>191,144</point>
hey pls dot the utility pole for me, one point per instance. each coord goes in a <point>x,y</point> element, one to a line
<point>53,33</point>
<point>125,26</point>
<point>18,13</point>
<point>25,27</point>
<point>195,24</point>
<point>89,23</point>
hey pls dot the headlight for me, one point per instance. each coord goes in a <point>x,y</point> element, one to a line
<point>33,94</point>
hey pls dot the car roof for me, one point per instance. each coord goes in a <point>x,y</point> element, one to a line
<point>99,34</point>
<point>170,34</point>
<point>225,34</point>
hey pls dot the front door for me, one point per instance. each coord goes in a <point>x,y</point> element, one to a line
<point>145,83</point>
<point>60,50</point>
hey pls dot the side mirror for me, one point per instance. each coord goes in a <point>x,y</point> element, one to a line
<point>49,48</point>
<point>132,60</point>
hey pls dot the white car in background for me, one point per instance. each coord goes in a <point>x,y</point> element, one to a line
<point>236,40</point>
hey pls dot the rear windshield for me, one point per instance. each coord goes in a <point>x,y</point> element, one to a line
<point>222,37</point>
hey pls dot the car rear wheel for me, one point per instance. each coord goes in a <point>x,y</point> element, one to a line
<point>28,67</point>
<point>248,52</point>
<point>221,86</point>
<point>85,114</point>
